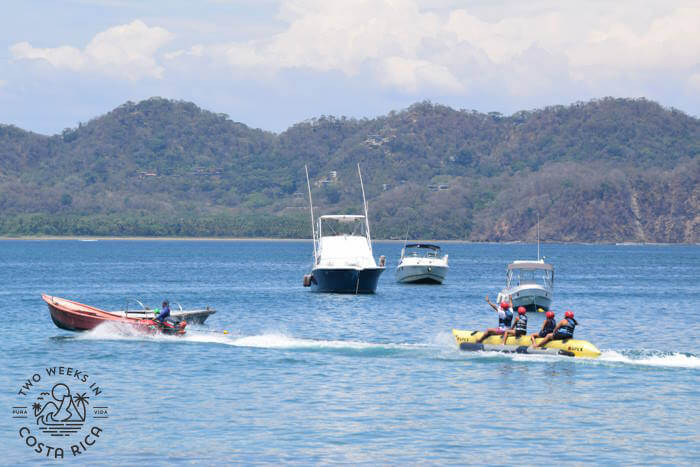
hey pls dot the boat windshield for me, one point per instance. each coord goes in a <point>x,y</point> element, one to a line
<point>412,251</point>
<point>330,227</point>
<point>543,277</point>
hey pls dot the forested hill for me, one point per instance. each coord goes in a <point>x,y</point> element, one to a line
<point>606,170</point>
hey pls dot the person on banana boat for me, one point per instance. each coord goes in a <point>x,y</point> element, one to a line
<point>547,327</point>
<point>563,330</point>
<point>519,327</point>
<point>505,318</point>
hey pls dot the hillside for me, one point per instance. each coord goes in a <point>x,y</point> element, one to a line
<point>605,170</point>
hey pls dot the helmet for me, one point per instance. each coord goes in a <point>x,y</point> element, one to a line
<point>521,310</point>
<point>540,310</point>
<point>504,305</point>
<point>166,303</point>
<point>569,314</point>
<point>550,314</point>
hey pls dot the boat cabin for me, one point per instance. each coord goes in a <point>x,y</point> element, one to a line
<point>343,241</point>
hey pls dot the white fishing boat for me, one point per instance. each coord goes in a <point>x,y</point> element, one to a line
<point>529,283</point>
<point>343,257</point>
<point>421,263</point>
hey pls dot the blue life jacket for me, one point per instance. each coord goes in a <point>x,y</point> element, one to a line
<point>549,326</point>
<point>568,330</point>
<point>505,322</point>
<point>521,325</point>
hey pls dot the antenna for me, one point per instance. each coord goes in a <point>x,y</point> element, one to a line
<point>364,202</point>
<point>311,207</point>
<point>538,236</point>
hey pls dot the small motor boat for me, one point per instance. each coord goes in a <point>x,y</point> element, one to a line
<point>74,316</point>
<point>468,340</point>
<point>421,263</point>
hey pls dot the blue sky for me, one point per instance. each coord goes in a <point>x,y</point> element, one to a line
<point>270,64</point>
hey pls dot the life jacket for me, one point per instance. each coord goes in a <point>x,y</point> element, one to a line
<point>568,330</point>
<point>521,324</point>
<point>549,325</point>
<point>505,320</point>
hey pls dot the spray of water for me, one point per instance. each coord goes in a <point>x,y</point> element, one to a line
<point>440,345</point>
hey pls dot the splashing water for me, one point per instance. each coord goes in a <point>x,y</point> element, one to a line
<point>441,344</point>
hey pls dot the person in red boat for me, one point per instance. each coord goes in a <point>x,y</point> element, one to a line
<point>165,312</point>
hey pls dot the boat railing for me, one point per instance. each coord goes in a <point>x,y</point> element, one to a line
<point>129,300</point>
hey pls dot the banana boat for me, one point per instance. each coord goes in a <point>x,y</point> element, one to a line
<point>467,340</point>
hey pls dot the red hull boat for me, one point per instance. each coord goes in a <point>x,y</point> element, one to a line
<point>74,316</point>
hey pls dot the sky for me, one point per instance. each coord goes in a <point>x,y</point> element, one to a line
<point>272,63</point>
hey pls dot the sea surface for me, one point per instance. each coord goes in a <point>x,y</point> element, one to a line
<point>309,378</point>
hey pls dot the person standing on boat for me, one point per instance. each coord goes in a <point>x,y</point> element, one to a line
<point>519,327</point>
<point>564,330</point>
<point>165,313</point>
<point>547,327</point>
<point>505,318</point>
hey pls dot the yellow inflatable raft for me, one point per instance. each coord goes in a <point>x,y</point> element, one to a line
<point>467,340</point>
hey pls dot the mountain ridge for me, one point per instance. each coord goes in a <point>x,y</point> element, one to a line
<point>608,170</point>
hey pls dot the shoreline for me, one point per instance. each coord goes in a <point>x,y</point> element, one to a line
<point>264,239</point>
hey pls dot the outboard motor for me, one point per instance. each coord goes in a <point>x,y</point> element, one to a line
<point>382,261</point>
<point>307,280</point>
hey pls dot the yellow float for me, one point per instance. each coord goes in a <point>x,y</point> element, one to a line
<point>467,340</point>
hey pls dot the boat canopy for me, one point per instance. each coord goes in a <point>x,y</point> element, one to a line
<point>423,245</point>
<point>530,265</point>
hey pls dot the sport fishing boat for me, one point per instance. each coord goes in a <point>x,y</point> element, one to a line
<point>343,258</point>
<point>468,340</point>
<point>529,283</point>
<point>74,316</point>
<point>421,263</point>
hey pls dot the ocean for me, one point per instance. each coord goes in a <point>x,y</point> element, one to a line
<point>308,378</point>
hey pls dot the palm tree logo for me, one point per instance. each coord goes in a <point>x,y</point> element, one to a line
<point>63,413</point>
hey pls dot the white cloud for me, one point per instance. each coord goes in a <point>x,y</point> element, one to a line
<point>694,82</point>
<point>448,48</point>
<point>126,51</point>
<point>412,75</point>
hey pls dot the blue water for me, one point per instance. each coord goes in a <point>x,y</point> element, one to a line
<point>315,378</point>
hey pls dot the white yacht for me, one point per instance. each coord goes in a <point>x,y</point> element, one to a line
<point>343,258</point>
<point>529,284</point>
<point>421,263</point>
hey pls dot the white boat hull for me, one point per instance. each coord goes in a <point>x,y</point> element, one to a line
<point>531,298</point>
<point>421,274</point>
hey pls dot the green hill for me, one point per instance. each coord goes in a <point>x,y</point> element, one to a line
<point>604,170</point>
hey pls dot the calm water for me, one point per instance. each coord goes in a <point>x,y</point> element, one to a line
<point>313,378</point>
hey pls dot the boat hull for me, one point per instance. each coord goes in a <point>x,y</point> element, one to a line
<point>74,316</point>
<point>467,340</point>
<point>352,281</point>
<point>530,298</point>
<point>415,274</point>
